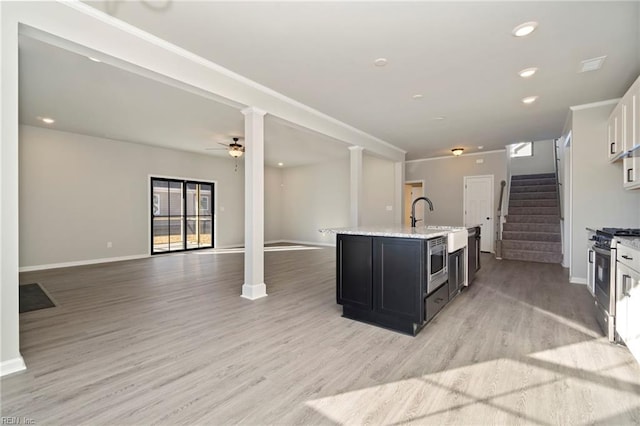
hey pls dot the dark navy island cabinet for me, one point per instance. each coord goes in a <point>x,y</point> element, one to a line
<point>382,281</point>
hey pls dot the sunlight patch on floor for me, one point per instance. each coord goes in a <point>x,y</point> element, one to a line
<point>500,391</point>
<point>575,325</point>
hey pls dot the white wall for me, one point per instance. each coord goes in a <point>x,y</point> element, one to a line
<point>78,192</point>
<point>314,197</point>
<point>597,196</point>
<point>444,182</point>
<point>542,160</point>
<point>378,180</point>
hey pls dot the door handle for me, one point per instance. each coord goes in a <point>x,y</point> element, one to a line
<point>624,285</point>
<point>624,256</point>
<point>488,218</point>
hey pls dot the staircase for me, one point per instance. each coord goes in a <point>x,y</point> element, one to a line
<point>532,228</point>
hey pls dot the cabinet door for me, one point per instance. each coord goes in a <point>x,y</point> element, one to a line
<point>633,315</point>
<point>398,278</point>
<point>591,270</point>
<point>631,170</point>
<point>613,147</point>
<point>623,278</point>
<point>630,106</point>
<point>353,274</point>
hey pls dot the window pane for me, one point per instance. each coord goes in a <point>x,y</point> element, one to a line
<point>175,198</point>
<point>206,199</point>
<point>160,234</point>
<point>175,233</point>
<point>522,149</point>
<point>192,199</point>
<point>206,231</point>
<point>192,232</point>
<point>160,198</point>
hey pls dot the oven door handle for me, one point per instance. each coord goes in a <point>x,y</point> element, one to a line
<point>602,251</point>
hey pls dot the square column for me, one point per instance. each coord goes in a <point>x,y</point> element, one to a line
<point>254,286</point>
<point>398,183</point>
<point>356,188</point>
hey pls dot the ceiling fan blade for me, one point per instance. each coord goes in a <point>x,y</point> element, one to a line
<point>223,144</point>
<point>216,149</point>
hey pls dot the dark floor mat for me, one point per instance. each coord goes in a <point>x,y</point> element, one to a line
<point>32,298</point>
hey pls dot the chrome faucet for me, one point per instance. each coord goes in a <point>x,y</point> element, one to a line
<point>413,209</point>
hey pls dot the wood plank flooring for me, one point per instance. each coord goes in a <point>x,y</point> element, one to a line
<point>168,340</point>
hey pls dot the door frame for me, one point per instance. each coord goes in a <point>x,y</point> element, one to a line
<point>492,235</point>
<point>420,181</point>
<point>214,212</point>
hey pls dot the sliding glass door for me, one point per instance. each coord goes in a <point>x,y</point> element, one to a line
<point>181,215</point>
<point>199,219</point>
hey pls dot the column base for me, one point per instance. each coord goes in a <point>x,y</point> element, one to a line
<point>254,291</point>
<point>12,366</point>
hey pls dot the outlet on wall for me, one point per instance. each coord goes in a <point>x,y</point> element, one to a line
<point>109,244</point>
<point>389,208</point>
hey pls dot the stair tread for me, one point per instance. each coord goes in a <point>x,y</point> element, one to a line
<point>536,232</point>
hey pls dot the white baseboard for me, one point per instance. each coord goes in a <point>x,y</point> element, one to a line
<point>309,243</point>
<point>142,256</point>
<point>12,366</point>
<point>254,291</point>
<point>578,280</point>
<point>81,263</point>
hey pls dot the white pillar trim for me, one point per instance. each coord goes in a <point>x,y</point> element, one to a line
<point>254,286</point>
<point>356,187</point>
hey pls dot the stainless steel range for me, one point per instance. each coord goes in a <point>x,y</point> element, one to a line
<point>605,276</point>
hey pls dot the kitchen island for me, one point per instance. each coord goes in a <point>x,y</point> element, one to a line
<point>398,277</point>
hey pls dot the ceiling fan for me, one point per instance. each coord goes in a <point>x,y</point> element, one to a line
<point>235,149</point>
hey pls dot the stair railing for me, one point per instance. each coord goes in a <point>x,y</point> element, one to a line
<point>499,220</point>
<point>556,158</point>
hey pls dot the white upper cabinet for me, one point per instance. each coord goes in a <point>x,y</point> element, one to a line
<point>631,118</point>
<point>623,136</point>
<point>614,133</point>
<point>630,104</point>
<point>623,126</point>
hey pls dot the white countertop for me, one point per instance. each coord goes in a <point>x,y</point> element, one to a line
<point>421,232</point>
<point>633,242</point>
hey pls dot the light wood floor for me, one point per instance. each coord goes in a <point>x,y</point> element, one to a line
<point>168,340</point>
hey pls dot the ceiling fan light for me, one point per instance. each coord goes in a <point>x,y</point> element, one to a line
<point>457,151</point>
<point>235,152</point>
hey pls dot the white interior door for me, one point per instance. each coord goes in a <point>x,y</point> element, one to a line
<point>478,207</point>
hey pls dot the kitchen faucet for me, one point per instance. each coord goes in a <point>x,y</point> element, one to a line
<point>413,209</point>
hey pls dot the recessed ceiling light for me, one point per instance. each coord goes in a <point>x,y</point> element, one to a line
<point>480,146</point>
<point>439,118</point>
<point>592,64</point>
<point>48,120</point>
<point>529,99</point>
<point>528,72</point>
<point>417,96</point>
<point>94,59</point>
<point>280,164</point>
<point>524,29</point>
<point>380,62</point>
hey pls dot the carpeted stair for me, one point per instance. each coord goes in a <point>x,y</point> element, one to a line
<point>532,229</point>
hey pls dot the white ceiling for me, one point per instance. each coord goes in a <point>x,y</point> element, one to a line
<point>101,100</point>
<point>460,55</point>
